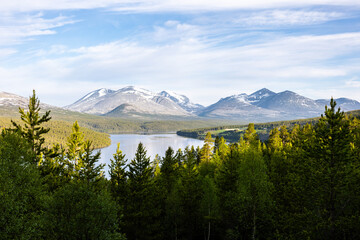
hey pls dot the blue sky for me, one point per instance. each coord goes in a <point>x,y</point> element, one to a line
<point>204,49</point>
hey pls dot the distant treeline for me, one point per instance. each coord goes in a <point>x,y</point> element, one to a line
<point>232,133</point>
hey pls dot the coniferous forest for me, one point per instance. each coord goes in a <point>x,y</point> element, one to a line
<point>303,183</point>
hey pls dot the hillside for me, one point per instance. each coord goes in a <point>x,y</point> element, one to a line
<point>117,125</point>
<point>61,130</point>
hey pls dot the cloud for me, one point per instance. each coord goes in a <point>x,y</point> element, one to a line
<point>16,28</point>
<point>224,5</point>
<point>163,5</point>
<point>189,63</point>
<point>287,18</point>
<point>353,83</point>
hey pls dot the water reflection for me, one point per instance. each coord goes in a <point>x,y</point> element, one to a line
<point>154,144</point>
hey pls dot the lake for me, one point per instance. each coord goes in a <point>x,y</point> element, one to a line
<point>154,144</point>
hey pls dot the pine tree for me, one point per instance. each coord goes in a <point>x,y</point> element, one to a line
<point>250,135</point>
<point>254,193</point>
<point>21,190</point>
<point>91,172</point>
<point>332,151</point>
<point>32,130</point>
<point>209,206</point>
<point>117,172</point>
<point>142,208</point>
<point>227,180</point>
<point>208,148</point>
<point>75,148</point>
<point>80,158</point>
<point>168,169</point>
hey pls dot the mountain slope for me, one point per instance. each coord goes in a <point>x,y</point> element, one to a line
<point>182,101</point>
<point>265,105</point>
<point>292,103</point>
<point>345,104</point>
<point>238,106</point>
<point>260,96</point>
<point>141,101</point>
<point>262,105</point>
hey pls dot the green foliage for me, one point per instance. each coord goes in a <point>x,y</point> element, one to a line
<point>80,157</point>
<point>60,130</point>
<point>32,130</point>
<point>21,191</point>
<point>332,154</point>
<point>254,193</point>
<point>117,172</point>
<point>303,183</point>
<point>77,211</point>
<point>142,208</point>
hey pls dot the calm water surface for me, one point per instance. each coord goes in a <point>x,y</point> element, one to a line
<point>154,144</point>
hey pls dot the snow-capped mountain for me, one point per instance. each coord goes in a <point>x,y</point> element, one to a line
<point>13,100</point>
<point>265,105</point>
<point>239,107</point>
<point>345,104</point>
<point>183,101</point>
<point>127,101</point>
<point>9,99</point>
<point>262,105</point>
<point>85,103</point>
<point>293,103</point>
<point>259,96</point>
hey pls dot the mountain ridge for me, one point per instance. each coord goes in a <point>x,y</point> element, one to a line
<point>138,103</point>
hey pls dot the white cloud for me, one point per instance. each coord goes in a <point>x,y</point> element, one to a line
<point>16,28</point>
<point>353,83</point>
<point>287,18</point>
<point>190,65</point>
<point>205,5</point>
<point>164,5</point>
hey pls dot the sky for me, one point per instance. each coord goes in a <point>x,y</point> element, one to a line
<point>205,50</point>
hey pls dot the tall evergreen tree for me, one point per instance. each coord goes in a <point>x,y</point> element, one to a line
<point>142,210</point>
<point>91,171</point>
<point>117,172</point>
<point>332,151</point>
<point>227,179</point>
<point>31,129</point>
<point>208,148</point>
<point>254,194</point>
<point>168,169</point>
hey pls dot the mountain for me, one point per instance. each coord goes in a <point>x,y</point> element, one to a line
<point>10,100</point>
<point>85,103</point>
<point>265,105</point>
<point>13,101</point>
<point>262,105</point>
<point>292,103</point>
<point>183,101</point>
<point>238,107</point>
<point>345,104</point>
<point>128,101</point>
<point>259,96</point>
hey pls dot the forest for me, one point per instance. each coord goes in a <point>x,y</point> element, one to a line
<point>303,183</point>
<point>60,130</point>
<point>232,133</point>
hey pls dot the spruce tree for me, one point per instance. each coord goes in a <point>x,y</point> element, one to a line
<point>332,152</point>
<point>208,148</point>
<point>142,208</point>
<point>117,172</point>
<point>31,130</point>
